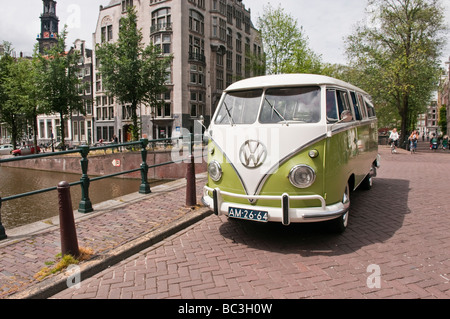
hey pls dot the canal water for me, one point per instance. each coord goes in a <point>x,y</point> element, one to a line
<point>30,209</point>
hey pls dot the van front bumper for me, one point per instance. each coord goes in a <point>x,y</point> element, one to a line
<point>284,214</point>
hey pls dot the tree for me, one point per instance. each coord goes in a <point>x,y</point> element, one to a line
<point>285,44</point>
<point>9,106</point>
<point>443,119</point>
<point>396,55</point>
<point>22,89</point>
<point>59,83</point>
<point>133,74</point>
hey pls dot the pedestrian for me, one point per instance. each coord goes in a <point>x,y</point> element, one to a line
<point>445,142</point>
<point>413,141</point>
<point>393,140</point>
<point>434,142</point>
<point>115,140</point>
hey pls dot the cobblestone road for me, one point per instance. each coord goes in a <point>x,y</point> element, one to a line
<point>399,230</point>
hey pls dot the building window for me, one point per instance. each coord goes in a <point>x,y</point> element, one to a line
<point>229,79</point>
<point>230,60</point>
<point>161,20</point>
<point>197,103</point>
<point>164,111</point>
<point>126,4</point>
<point>88,107</point>
<point>230,14</point>
<point>197,75</point>
<point>193,110</point>
<point>163,41</point>
<point>107,33</point>
<point>238,42</point>
<point>41,129</point>
<point>219,80</point>
<point>229,38</point>
<point>196,49</point>
<point>238,15</point>
<point>238,64</point>
<point>196,22</point>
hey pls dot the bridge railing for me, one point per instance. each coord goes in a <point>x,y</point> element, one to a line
<point>85,205</point>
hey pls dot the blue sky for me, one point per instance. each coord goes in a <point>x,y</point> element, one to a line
<point>325,22</point>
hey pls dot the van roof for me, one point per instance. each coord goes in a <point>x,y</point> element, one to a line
<point>280,80</point>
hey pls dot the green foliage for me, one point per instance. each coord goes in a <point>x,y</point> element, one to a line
<point>395,55</point>
<point>133,74</point>
<point>9,108</point>
<point>443,119</point>
<point>59,83</point>
<point>285,44</point>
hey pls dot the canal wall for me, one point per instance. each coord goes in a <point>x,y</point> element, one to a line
<point>105,164</point>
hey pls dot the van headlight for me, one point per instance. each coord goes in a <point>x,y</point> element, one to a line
<point>302,176</point>
<point>215,171</point>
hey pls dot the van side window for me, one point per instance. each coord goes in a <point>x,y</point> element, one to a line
<point>370,108</point>
<point>356,106</point>
<point>343,103</point>
<point>331,106</point>
<point>362,106</point>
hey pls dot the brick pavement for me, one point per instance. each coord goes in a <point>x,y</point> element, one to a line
<point>399,230</point>
<point>113,233</point>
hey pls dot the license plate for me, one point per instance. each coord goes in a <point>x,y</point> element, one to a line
<point>248,214</point>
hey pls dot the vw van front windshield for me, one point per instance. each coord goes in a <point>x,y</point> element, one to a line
<point>297,104</point>
<point>240,107</point>
<point>300,104</point>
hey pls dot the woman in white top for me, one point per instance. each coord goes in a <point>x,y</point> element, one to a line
<point>394,140</point>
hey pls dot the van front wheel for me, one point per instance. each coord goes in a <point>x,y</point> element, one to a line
<point>339,225</point>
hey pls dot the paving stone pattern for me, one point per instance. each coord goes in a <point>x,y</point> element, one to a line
<point>22,258</point>
<point>399,230</point>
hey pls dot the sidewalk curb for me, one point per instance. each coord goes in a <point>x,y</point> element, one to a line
<point>58,283</point>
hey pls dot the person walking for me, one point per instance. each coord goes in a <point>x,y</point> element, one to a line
<point>434,142</point>
<point>413,141</point>
<point>393,140</point>
<point>445,142</point>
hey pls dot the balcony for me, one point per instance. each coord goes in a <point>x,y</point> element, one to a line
<point>160,27</point>
<point>198,57</point>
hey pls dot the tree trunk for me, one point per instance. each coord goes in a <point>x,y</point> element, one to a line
<point>63,129</point>
<point>135,121</point>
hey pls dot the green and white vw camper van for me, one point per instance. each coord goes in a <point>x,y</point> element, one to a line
<point>290,149</point>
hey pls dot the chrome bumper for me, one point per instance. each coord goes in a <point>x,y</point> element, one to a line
<point>284,214</point>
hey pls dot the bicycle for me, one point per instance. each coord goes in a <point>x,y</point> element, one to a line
<point>393,147</point>
<point>413,147</point>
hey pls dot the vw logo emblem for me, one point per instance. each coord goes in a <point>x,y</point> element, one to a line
<point>252,154</point>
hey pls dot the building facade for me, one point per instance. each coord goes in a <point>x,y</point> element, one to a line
<point>213,43</point>
<point>83,125</point>
<point>444,94</point>
<point>78,128</point>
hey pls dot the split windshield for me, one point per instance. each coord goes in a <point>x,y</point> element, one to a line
<point>279,105</point>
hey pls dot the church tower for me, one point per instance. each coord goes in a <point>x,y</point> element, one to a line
<point>49,27</point>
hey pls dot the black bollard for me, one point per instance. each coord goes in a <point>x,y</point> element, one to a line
<point>2,229</point>
<point>69,241</point>
<point>191,193</point>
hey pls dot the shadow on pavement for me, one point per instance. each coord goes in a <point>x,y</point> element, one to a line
<point>375,216</point>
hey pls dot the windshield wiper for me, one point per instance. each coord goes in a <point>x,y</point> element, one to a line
<point>230,119</point>
<point>276,111</point>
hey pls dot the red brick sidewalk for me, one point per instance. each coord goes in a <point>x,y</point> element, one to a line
<point>112,234</point>
<point>397,246</point>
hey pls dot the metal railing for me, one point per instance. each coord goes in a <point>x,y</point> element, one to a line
<point>85,205</point>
